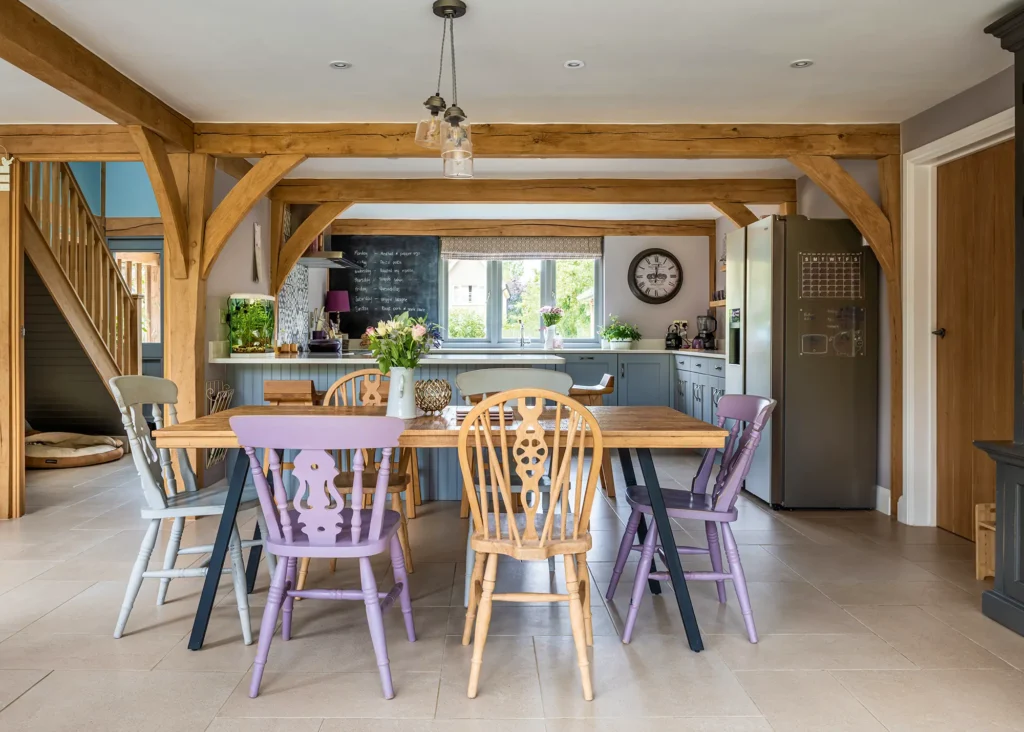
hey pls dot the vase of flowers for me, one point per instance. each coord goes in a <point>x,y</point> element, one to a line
<point>398,345</point>
<point>620,336</point>
<point>552,316</point>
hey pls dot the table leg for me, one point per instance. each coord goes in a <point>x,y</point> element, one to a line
<point>668,544</point>
<point>252,566</point>
<point>630,477</point>
<point>220,549</point>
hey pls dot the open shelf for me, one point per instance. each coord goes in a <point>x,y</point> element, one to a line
<point>716,304</point>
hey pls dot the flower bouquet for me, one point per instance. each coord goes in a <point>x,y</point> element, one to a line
<point>552,316</point>
<point>398,345</point>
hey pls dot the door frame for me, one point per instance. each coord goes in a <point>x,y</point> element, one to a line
<point>918,504</point>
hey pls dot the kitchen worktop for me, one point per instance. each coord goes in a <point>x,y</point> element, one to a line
<point>362,359</point>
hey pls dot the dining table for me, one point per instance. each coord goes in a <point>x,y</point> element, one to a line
<point>623,428</point>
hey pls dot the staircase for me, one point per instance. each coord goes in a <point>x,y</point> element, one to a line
<point>67,247</point>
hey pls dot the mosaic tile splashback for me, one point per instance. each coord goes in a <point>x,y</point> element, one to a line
<point>293,308</point>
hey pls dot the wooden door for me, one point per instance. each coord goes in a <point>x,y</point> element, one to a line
<point>975,306</point>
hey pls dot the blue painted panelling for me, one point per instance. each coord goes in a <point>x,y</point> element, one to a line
<point>90,180</point>
<point>129,192</point>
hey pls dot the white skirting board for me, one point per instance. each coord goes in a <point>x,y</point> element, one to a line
<point>882,496</point>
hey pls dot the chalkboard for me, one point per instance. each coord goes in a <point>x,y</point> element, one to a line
<point>399,274</point>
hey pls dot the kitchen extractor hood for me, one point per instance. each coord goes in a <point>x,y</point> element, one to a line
<point>327,260</point>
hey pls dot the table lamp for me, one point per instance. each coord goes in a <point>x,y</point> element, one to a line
<point>337,302</point>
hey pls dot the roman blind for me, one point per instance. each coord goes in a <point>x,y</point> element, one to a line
<point>522,247</point>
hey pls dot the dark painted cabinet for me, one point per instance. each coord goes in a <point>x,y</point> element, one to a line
<point>699,384</point>
<point>1005,601</point>
<point>644,380</point>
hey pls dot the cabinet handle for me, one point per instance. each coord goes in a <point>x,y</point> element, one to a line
<point>586,358</point>
<point>716,395</point>
<point>622,371</point>
<point>718,368</point>
<point>699,365</point>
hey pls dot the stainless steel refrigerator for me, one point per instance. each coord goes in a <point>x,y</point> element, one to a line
<point>802,328</point>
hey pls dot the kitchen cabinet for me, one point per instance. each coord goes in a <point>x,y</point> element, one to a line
<point>700,384</point>
<point>588,368</point>
<point>644,380</point>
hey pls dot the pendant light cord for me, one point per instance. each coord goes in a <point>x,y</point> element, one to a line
<point>455,88</point>
<point>440,63</point>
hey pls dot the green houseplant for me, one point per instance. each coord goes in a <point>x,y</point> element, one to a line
<point>620,336</point>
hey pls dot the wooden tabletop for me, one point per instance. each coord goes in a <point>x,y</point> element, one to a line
<point>620,426</point>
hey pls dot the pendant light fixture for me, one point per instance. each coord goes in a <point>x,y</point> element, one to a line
<point>452,132</point>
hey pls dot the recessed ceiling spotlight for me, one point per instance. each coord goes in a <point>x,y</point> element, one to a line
<point>340,65</point>
<point>574,64</point>
<point>802,63</point>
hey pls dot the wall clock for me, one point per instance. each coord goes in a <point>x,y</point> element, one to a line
<point>655,276</point>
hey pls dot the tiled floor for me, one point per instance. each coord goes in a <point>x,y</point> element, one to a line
<point>865,625</point>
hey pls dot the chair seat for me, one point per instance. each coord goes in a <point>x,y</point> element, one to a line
<point>204,502</point>
<point>679,504</point>
<point>530,549</point>
<point>397,482</point>
<point>343,546</point>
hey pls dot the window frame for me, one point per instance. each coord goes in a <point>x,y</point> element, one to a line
<point>494,317</point>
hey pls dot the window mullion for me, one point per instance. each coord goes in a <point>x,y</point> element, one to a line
<point>494,297</point>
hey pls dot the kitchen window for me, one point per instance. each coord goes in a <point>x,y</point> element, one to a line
<point>507,291</point>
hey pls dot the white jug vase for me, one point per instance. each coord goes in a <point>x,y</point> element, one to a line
<point>402,394</point>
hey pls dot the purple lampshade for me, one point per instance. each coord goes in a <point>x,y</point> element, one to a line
<point>337,301</point>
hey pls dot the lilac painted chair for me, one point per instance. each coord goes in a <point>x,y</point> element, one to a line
<point>317,523</point>
<point>716,509</point>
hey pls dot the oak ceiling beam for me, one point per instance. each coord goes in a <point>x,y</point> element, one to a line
<point>735,212</point>
<point>521,227</point>
<point>541,190</point>
<point>239,202</point>
<point>68,143</point>
<point>314,225</point>
<point>133,226</point>
<point>168,200</point>
<point>384,140</point>
<point>848,194</point>
<point>237,168</point>
<point>36,46</point>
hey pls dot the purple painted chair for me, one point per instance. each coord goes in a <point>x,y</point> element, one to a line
<point>317,523</point>
<point>717,508</point>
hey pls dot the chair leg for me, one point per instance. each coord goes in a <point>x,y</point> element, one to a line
<point>241,586</point>
<point>403,531</point>
<point>640,582</point>
<point>607,477</point>
<point>135,580</point>
<point>625,546</point>
<point>333,566</point>
<point>375,619</point>
<point>289,600</point>
<point>711,531</point>
<point>300,583</point>
<point>170,557</point>
<point>585,589</point>
<point>415,461</point>
<point>483,622</point>
<point>579,632</point>
<point>398,564</point>
<point>545,503</point>
<point>474,588</point>
<point>261,521</point>
<point>739,581</point>
<point>470,566</point>
<point>270,613</point>
<point>412,487</point>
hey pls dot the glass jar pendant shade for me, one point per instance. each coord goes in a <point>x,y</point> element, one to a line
<point>428,132</point>
<point>457,149</point>
<point>452,133</point>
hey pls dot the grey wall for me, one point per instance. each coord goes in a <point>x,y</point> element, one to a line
<point>654,320</point>
<point>981,101</point>
<point>63,392</point>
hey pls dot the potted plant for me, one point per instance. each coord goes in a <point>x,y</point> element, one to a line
<point>620,336</point>
<point>398,345</point>
<point>552,316</point>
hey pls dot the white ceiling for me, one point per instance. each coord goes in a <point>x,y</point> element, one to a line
<point>611,212</point>
<point>25,99</point>
<point>647,60</point>
<point>546,168</point>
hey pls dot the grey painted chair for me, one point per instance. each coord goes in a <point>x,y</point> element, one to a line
<point>477,385</point>
<point>165,501</point>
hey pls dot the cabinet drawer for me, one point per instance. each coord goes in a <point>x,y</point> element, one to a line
<point>683,363</point>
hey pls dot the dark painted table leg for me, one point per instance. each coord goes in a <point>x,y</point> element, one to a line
<point>668,544</point>
<point>252,566</point>
<point>629,476</point>
<point>220,550</point>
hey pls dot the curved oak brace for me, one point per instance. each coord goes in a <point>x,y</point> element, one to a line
<point>735,212</point>
<point>266,174</point>
<point>874,226</point>
<point>168,200</point>
<point>314,225</point>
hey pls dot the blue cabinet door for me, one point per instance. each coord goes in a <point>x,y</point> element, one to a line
<point>587,369</point>
<point>645,380</point>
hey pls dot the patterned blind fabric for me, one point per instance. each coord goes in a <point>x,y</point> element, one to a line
<point>522,247</point>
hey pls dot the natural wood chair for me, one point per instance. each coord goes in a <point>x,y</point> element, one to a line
<point>984,540</point>
<point>593,396</point>
<point>515,432</point>
<point>297,392</point>
<point>369,388</point>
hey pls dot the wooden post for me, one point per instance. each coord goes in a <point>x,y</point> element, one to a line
<point>12,352</point>
<point>136,335</point>
<point>184,335</point>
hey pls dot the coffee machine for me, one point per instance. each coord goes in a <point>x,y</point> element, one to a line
<point>706,327</point>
